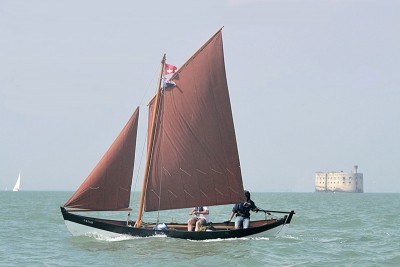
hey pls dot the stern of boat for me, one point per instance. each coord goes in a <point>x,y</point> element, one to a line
<point>282,230</point>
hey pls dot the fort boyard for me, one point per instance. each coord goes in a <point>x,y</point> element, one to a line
<point>339,181</point>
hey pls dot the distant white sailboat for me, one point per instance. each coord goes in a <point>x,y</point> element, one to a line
<point>17,185</point>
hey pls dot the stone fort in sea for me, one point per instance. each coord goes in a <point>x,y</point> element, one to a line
<point>339,181</point>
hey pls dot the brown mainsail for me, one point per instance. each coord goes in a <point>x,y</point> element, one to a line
<point>108,186</point>
<point>195,159</point>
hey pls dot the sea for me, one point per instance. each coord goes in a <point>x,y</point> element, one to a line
<point>328,229</point>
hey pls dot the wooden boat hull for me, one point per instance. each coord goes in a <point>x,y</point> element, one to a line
<point>82,225</point>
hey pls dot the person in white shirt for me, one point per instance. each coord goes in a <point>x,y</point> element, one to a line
<point>200,218</point>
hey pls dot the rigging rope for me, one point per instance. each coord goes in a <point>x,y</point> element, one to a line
<point>146,137</point>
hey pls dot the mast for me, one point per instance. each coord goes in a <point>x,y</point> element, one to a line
<point>150,147</point>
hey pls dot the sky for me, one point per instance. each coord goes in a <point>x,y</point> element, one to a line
<point>314,85</point>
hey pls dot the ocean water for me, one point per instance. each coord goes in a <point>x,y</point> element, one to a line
<point>327,230</point>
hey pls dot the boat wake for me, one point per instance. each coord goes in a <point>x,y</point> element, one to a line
<point>288,237</point>
<point>101,237</point>
<point>260,238</point>
<point>230,239</point>
<point>119,238</point>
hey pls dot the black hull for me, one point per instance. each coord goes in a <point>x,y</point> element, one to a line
<point>220,231</point>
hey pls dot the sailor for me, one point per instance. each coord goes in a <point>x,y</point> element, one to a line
<point>242,211</point>
<point>200,218</point>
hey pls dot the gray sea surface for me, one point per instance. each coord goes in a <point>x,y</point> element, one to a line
<point>327,230</point>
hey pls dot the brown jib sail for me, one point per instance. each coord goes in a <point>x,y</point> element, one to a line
<point>108,186</point>
<point>195,159</point>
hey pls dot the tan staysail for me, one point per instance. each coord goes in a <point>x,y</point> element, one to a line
<point>195,159</point>
<point>108,186</point>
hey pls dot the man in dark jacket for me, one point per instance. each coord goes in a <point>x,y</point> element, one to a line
<point>242,211</point>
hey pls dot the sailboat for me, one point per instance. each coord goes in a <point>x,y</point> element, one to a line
<point>17,185</point>
<point>192,160</point>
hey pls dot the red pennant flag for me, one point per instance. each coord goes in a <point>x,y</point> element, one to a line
<point>169,69</point>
